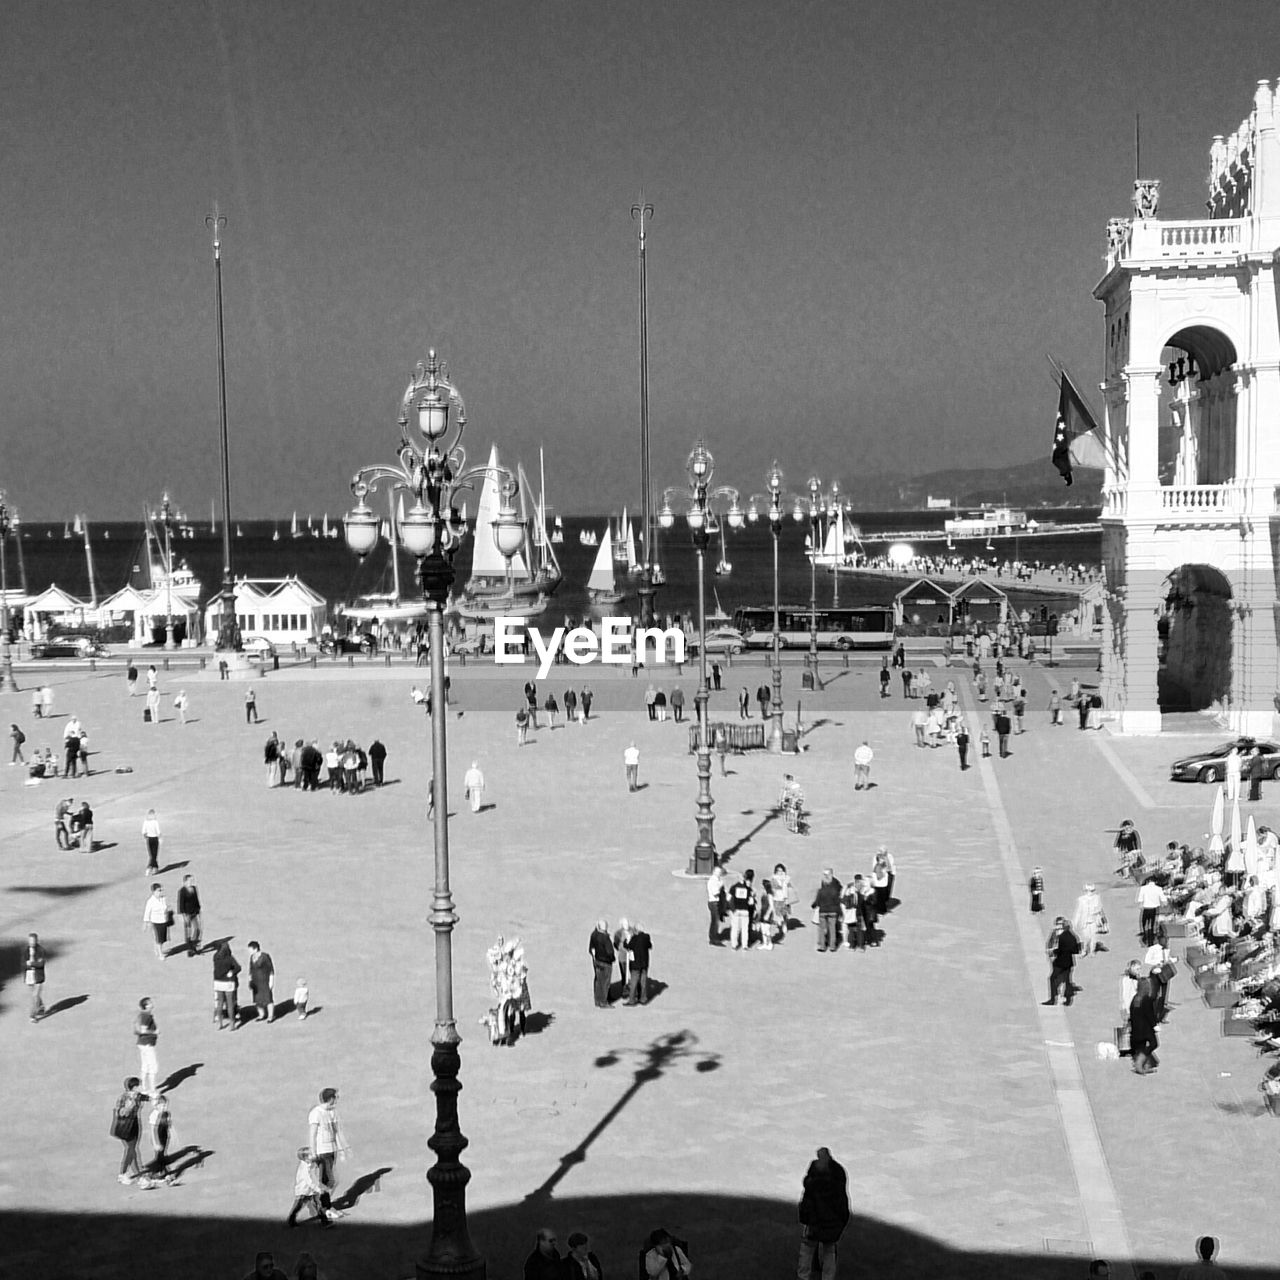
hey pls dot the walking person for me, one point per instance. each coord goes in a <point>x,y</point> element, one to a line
<point>522,725</point>
<point>716,899</point>
<point>262,983</point>
<point>631,758</point>
<point>328,1142</point>
<point>46,701</point>
<point>677,704</point>
<point>18,738</point>
<point>570,707</point>
<point>1143,1041</point>
<point>1035,887</point>
<point>151,835</point>
<point>587,698</point>
<point>1061,949</point>
<point>308,1189</point>
<point>377,760</point>
<point>962,744</point>
<point>226,984</point>
<point>552,708</point>
<point>744,703</point>
<point>145,1034</point>
<point>826,905</point>
<point>531,702</point>
<point>251,706</point>
<point>824,1214</point>
<point>1089,921</point>
<point>180,705</point>
<point>126,1125</point>
<point>602,953</point>
<point>1055,706</point>
<point>33,966</point>
<point>640,947</point>
<point>473,785</point>
<point>1001,724</point>
<point>161,1126</point>
<point>131,678</point>
<point>1151,898</point>
<point>885,677</point>
<point>189,910</point>
<point>863,757</point>
<point>158,918</point>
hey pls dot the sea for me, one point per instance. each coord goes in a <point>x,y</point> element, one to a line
<point>54,554</point>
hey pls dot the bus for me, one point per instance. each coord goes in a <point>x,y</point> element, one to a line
<point>861,627</point>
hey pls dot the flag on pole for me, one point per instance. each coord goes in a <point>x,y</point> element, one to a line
<point>1077,442</point>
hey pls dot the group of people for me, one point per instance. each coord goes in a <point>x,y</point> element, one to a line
<point>630,947</point>
<point>850,913</point>
<point>577,707</point>
<point>342,766</point>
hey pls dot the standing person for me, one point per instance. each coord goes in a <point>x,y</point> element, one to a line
<point>824,1215</point>
<point>552,708</point>
<point>660,703</point>
<point>271,758</point>
<point>1055,706</point>
<point>1256,770</point>
<point>784,898</point>
<point>722,748</point>
<point>308,1189</point>
<point>131,678</point>
<point>328,1142</point>
<point>161,1124</point>
<point>1089,921</point>
<point>919,723</point>
<point>251,706</point>
<point>152,677</point>
<point>46,701</point>
<point>377,760</point>
<point>522,725</point>
<point>666,1258</point>
<point>1151,897</point>
<point>18,738</point>
<point>1036,888</point>
<point>180,704</point>
<point>151,835</point>
<point>531,702</point>
<point>153,705</point>
<point>1000,723</point>
<point>580,1263</point>
<point>744,703</point>
<point>33,962</point>
<point>881,881</point>
<point>826,902</point>
<point>262,983</point>
<point>1019,710</point>
<point>631,758</point>
<point>71,748</point>
<point>82,826</point>
<point>962,744</point>
<point>570,707</point>
<point>1233,770</point>
<point>157,917</point>
<point>620,936</point>
<point>145,1034</point>
<point>226,982</point>
<point>126,1124</point>
<point>742,902</point>
<point>651,701</point>
<point>885,677</point>
<point>677,704</point>
<point>1143,1041</point>
<point>862,758</point>
<point>473,785</point>
<point>587,698</point>
<point>766,917</point>
<point>1061,949</point>
<point>545,1262</point>
<point>37,704</point>
<point>906,682</point>
<point>1128,847</point>
<point>715,676</point>
<point>716,898</point>
<point>762,697</point>
<point>189,910</point>
<point>600,948</point>
<point>640,947</point>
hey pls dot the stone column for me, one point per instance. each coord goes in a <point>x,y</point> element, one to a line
<point>1140,711</point>
<point>1254,630</point>
<point>1144,430</point>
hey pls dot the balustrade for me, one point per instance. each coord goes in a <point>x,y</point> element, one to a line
<point>1204,238</point>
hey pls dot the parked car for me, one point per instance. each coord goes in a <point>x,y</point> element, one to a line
<point>358,642</point>
<point>720,640</point>
<point>470,647</point>
<point>68,647</point>
<point>258,648</point>
<point>1211,766</point>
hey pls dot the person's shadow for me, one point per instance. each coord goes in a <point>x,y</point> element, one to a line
<point>366,1182</point>
<point>67,1002</point>
<point>175,1078</point>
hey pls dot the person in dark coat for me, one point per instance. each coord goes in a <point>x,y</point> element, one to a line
<point>1142,1028</point>
<point>824,1214</point>
<point>545,1262</point>
<point>262,979</point>
<point>1003,726</point>
<point>602,957</point>
<point>226,979</point>
<point>580,1262</point>
<point>377,759</point>
<point>1062,948</point>
<point>640,945</point>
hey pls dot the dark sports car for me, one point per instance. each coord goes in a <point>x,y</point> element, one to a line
<point>1211,766</point>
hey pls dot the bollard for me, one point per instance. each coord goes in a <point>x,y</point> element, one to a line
<point>351,660</point>
<point>846,659</point>
<point>806,680</point>
<point>203,663</point>
<point>93,664</point>
<point>313,661</point>
<point>166,664</point>
<point>386,659</point>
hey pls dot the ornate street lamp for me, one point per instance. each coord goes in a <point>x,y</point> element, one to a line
<point>7,522</point>
<point>701,520</point>
<point>166,517</point>
<point>433,473</point>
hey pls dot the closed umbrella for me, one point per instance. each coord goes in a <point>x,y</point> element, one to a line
<point>1251,849</point>
<point>1215,823</point>
<point>1235,858</point>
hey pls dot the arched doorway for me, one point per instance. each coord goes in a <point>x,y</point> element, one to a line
<point>1194,628</point>
<point>1197,433</point>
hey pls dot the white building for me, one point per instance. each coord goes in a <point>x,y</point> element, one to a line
<point>283,610</point>
<point>1192,440</point>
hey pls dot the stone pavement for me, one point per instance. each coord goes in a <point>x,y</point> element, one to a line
<point>964,1112</point>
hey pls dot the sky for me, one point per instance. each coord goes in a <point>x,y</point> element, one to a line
<point>872,220</point>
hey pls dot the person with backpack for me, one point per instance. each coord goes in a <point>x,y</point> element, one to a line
<point>126,1124</point>
<point>18,739</point>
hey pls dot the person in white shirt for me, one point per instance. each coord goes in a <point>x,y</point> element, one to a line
<point>156,916</point>
<point>1151,898</point>
<point>631,758</point>
<point>862,758</point>
<point>473,783</point>
<point>328,1142</point>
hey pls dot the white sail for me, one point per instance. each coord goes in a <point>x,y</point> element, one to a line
<point>601,579</point>
<point>632,563</point>
<point>324,526</point>
<point>487,562</point>
<point>213,516</point>
<point>293,532</point>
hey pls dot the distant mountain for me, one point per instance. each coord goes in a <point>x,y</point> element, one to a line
<point>1028,484</point>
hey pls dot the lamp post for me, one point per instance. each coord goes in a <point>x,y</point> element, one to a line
<point>228,629</point>
<point>7,682</point>
<point>166,517</point>
<point>641,212</point>
<point>815,528</point>
<point>700,516</point>
<point>433,473</point>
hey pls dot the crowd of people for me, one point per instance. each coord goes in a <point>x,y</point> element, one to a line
<point>342,766</point>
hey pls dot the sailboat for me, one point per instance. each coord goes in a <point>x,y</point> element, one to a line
<point>589,538</point>
<point>213,515</point>
<point>601,586</point>
<point>324,527</point>
<point>841,543</point>
<point>723,567</point>
<point>619,539</point>
<point>239,532</point>
<point>534,572</point>
<point>275,534</point>
<point>557,530</point>
<point>294,531</point>
<point>632,563</point>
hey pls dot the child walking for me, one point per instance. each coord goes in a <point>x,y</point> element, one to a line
<point>307,1189</point>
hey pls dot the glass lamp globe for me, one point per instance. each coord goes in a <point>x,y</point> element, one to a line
<point>666,517</point>
<point>508,528</point>
<point>418,530</point>
<point>735,516</point>
<point>360,526</point>
<point>433,414</point>
<point>701,464</point>
<point>697,517</point>
<point>774,479</point>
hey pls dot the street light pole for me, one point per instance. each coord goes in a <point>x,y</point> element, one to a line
<point>228,631</point>
<point>7,682</point>
<point>775,525</point>
<point>815,510</point>
<point>166,514</point>
<point>433,474</point>
<point>641,212</point>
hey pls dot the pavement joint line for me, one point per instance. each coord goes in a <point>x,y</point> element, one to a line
<point>1096,1190</point>
<point>1125,774</point>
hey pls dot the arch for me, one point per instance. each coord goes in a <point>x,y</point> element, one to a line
<point>1211,346</point>
<point>1195,633</point>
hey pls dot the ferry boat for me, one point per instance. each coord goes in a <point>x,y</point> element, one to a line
<point>986,521</point>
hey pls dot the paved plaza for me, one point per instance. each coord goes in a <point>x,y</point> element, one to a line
<point>981,1133</point>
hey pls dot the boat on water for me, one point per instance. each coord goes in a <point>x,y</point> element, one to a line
<point>589,538</point>
<point>533,575</point>
<point>985,521</point>
<point>557,530</point>
<point>294,531</point>
<point>657,575</point>
<point>841,543</point>
<point>602,587</point>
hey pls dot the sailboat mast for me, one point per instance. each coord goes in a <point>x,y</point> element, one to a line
<point>642,211</point>
<point>88,556</point>
<point>395,543</point>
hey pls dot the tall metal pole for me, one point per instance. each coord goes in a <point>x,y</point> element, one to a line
<point>775,707</point>
<point>228,633</point>
<point>7,682</point>
<point>704,850</point>
<point>811,661</point>
<point>641,212</point>
<point>168,578</point>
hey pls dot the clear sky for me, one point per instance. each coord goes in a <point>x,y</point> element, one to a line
<point>873,218</point>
